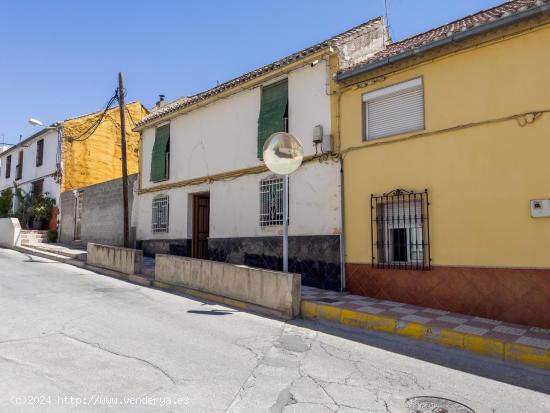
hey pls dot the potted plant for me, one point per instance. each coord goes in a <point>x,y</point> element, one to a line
<point>41,210</point>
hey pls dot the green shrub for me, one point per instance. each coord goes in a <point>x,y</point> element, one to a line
<point>42,207</point>
<point>6,201</point>
<point>52,235</point>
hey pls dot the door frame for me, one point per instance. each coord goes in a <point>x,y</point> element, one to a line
<point>194,222</point>
<point>77,232</point>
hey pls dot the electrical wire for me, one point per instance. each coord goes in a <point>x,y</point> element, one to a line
<point>130,115</point>
<point>93,127</point>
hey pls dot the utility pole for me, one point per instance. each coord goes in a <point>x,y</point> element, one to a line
<point>123,153</point>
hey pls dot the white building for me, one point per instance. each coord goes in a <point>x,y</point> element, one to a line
<point>32,165</point>
<point>204,190</point>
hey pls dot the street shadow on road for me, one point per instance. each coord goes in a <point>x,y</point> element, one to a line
<point>211,312</point>
<point>527,377</point>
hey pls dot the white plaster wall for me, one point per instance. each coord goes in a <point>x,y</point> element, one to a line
<point>314,202</point>
<point>31,172</point>
<point>179,218</point>
<point>9,232</point>
<point>223,135</point>
<point>51,188</point>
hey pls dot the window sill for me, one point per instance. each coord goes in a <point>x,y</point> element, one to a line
<point>160,180</point>
<point>395,136</point>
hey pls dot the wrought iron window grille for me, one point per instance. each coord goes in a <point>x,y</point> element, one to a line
<point>160,214</point>
<point>400,230</point>
<point>271,201</point>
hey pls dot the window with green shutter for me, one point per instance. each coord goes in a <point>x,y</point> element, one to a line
<point>160,159</point>
<point>273,112</point>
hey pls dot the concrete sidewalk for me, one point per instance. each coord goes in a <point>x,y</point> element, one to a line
<point>510,342</point>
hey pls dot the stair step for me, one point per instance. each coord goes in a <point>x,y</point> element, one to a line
<point>56,249</point>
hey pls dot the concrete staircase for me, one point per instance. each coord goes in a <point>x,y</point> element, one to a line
<point>36,242</point>
<point>64,250</point>
<point>31,236</point>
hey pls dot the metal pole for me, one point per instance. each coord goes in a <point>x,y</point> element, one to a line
<point>285,223</point>
<point>123,153</point>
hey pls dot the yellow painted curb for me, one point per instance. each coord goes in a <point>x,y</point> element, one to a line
<point>486,346</point>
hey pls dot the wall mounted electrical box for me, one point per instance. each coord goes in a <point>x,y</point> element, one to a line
<point>540,208</point>
<point>317,134</point>
<point>326,146</point>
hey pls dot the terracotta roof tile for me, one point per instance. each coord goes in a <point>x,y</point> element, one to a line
<point>465,23</point>
<point>185,101</point>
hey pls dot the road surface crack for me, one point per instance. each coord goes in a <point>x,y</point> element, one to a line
<point>100,347</point>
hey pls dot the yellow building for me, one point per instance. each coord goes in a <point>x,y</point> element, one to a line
<point>91,199</point>
<point>92,155</point>
<point>445,144</point>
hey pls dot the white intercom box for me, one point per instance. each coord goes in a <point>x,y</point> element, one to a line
<point>540,208</point>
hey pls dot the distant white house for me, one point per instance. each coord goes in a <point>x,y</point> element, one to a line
<point>204,190</point>
<point>32,165</point>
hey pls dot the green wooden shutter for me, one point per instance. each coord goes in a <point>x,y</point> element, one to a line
<point>158,158</point>
<point>272,112</point>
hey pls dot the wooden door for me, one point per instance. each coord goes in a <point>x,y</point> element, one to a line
<point>201,225</point>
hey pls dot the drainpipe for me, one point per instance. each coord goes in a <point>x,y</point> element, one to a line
<point>343,224</point>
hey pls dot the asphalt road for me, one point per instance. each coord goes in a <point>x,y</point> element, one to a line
<point>72,340</point>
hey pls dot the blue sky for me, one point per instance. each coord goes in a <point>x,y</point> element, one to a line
<point>60,58</point>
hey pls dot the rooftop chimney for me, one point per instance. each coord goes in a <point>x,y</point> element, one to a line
<point>160,103</point>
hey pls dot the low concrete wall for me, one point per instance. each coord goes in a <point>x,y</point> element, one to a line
<point>10,228</point>
<point>124,260</point>
<point>102,211</point>
<point>276,291</point>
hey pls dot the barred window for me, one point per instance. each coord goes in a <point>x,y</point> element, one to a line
<point>400,230</point>
<point>160,213</point>
<point>271,201</point>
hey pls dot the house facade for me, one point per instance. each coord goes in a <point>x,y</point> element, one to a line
<point>91,193</point>
<point>32,164</point>
<point>204,190</point>
<point>445,142</point>
<point>68,155</point>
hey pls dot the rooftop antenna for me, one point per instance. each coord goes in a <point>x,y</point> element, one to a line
<point>387,20</point>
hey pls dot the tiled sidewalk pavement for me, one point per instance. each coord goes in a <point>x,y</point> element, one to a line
<point>489,331</point>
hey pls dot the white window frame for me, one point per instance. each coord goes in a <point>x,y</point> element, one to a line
<point>387,92</point>
<point>160,213</point>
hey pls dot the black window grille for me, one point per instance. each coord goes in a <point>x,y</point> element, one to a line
<point>8,166</point>
<point>39,152</point>
<point>400,230</point>
<point>271,201</point>
<point>160,213</point>
<point>19,167</point>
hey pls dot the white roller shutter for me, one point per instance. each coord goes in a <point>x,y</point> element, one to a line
<point>394,110</point>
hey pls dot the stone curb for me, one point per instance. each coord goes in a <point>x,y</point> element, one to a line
<point>230,302</point>
<point>134,278</point>
<point>504,350</point>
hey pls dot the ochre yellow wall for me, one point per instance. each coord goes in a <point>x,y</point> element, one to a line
<point>480,179</point>
<point>98,158</point>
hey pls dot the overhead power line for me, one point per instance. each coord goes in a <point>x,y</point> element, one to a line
<point>93,127</point>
